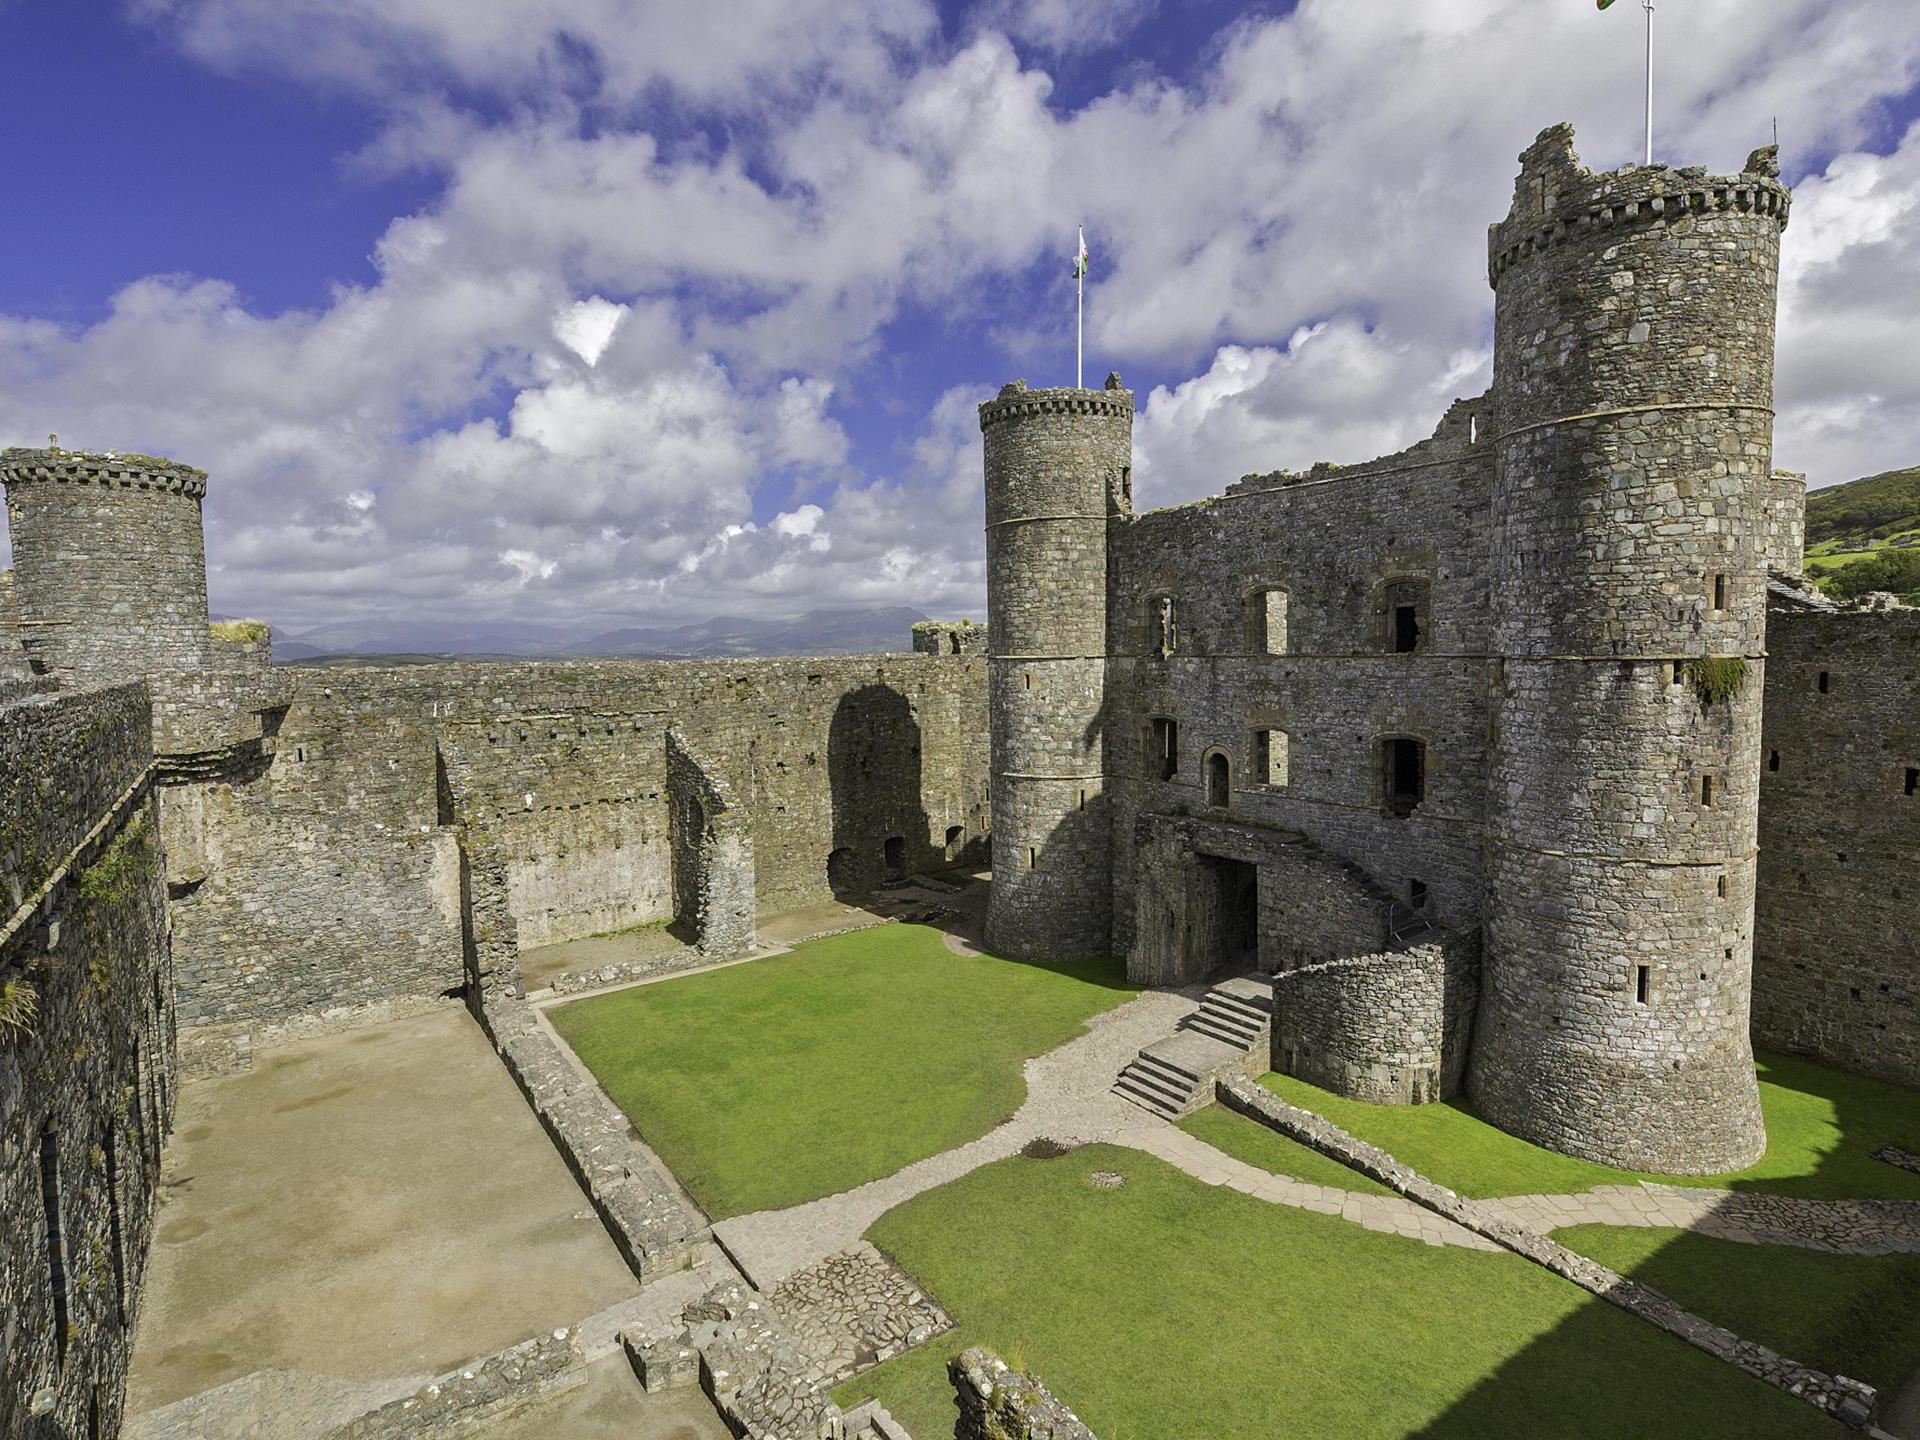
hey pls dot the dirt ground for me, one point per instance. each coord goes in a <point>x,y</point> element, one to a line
<point>369,1205</point>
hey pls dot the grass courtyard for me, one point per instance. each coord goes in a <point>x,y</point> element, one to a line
<point>1822,1127</point>
<point>776,1082</point>
<point>1854,1314</point>
<point>1168,1309</point>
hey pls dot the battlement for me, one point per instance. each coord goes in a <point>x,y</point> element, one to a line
<point>80,467</point>
<point>1016,401</point>
<point>1556,198</point>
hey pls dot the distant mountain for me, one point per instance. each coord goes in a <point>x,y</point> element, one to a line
<point>1865,535</point>
<point>820,632</point>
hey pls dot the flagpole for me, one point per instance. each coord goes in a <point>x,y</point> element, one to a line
<point>1649,8</point>
<point>1080,314</point>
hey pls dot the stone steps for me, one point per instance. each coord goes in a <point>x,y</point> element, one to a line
<point>1174,1076</point>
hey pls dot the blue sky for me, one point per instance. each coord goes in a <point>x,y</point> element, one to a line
<point>605,311</point>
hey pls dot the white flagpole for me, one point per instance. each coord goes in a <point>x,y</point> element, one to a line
<point>1080,316</point>
<point>1649,8</point>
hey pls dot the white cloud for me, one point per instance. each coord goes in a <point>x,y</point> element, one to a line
<point>587,327</point>
<point>604,352</point>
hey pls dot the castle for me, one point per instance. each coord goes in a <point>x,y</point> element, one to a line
<point>1522,759</point>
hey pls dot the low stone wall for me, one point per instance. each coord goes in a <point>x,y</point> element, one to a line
<point>457,1402</point>
<point>1390,1029</point>
<point>1848,1401</point>
<point>997,1403</point>
<point>207,1051</point>
<point>651,1225</point>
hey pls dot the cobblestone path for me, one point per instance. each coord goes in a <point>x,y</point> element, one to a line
<point>1839,1227</point>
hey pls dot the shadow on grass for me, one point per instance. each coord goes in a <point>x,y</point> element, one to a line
<point>1849,1315</point>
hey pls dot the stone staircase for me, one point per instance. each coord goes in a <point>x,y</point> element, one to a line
<point>1227,1034</point>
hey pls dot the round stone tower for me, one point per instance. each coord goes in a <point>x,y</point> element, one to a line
<point>1633,380</point>
<point>1059,465</point>
<point>110,565</point>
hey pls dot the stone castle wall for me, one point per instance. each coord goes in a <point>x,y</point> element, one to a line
<point>1336,542</point>
<point>87,1069</point>
<point>1836,944</point>
<point>1389,1029</point>
<point>334,880</point>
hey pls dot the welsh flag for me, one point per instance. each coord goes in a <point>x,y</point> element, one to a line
<point>1605,3</point>
<point>1080,260</point>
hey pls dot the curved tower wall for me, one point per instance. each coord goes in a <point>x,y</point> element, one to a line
<point>110,564</point>
<point>1057,464</point>
<point>1633,375</point>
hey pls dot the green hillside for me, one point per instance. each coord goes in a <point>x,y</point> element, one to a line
<point>1865,535</point>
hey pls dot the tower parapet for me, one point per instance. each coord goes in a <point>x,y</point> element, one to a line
<point>1633,385</point>
<point>1058,467</point>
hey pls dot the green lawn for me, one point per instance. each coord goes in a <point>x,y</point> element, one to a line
<point>768,1084</point>
<point>1822,1126</point>
<point>1247,1139</point>
<point>1172,1310</point>
<point>1854,1314</point>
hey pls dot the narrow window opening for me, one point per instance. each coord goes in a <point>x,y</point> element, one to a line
<point>1720,886</point>
<point>300,753</point>
<point>1219,781</point>
<point>1641,980</point>
<point>1270,622</point>
<point>1679,672</point>
<point>1826,682</point>
<point>1406,629</point>
<point>1406,780</point>
<point>1165,631</point>
<point>1083,801</point>
<point>1473,429</point>
<point>1719,592</point>
<point>1033,857</point>
<point>51,1207</point>
<point>1163,747</point>
<point>1913,780</point>
<point>1706,790</point>
<point>1417,894</point>
<point>1773,760</point>
<point>1269,759</point>
<point>1026,679</point>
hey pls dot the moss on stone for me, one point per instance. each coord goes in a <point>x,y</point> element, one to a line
<point>1717,677</point>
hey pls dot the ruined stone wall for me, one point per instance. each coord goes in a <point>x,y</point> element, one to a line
<point>1343,545</point>
<point>1633,363</point>
<point>1836,964</point>
<point>712,842</point>
<point>950,637</point>
<point>999,1403</point>
<point>1390,1029</point>
<point>86,1051</point>
<point>333,880</point>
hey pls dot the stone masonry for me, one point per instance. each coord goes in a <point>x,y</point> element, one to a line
<point>1511,677</point>
<point>86,1050</point>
